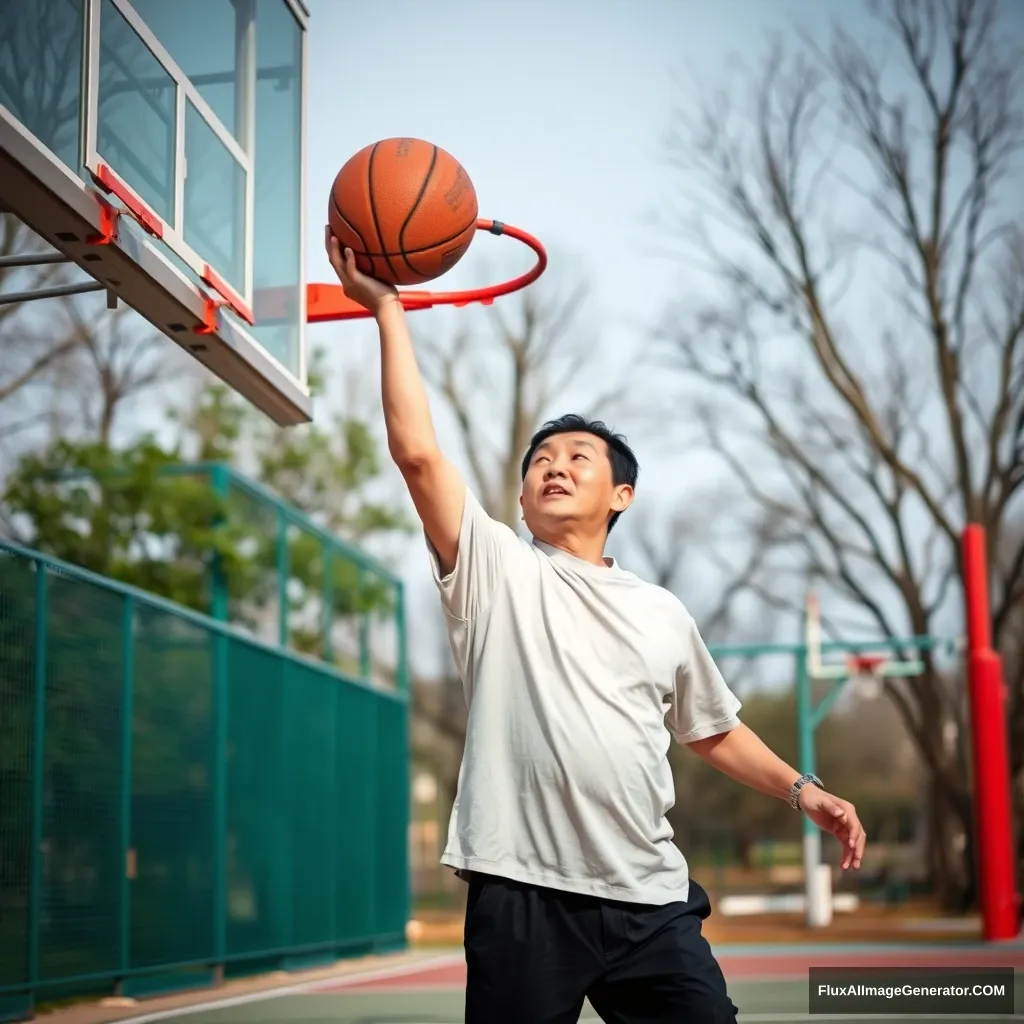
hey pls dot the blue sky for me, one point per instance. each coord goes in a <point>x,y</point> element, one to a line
<point>557,111</point>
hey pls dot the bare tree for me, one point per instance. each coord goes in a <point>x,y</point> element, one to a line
<point>40,81</point>
<point>713,563</point>
<point>856,357</point>
<point>119,358</point>
<point>31,344</point>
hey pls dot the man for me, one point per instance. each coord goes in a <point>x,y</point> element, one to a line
<point>572,669</point>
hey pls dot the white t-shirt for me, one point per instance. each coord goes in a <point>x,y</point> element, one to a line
<point>569,669</point>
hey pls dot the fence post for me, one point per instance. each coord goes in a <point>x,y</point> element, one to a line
<point>333,812</point>
<point>286,884</point>
<point>219,608</point>
<point>403,646</point>
<point>127,724</point>
<point>403,687</point>
<point>327,599</point>
<point>364,628</point>
<point>221,704</point>
<point>38,767</point>
<point>282,578</point>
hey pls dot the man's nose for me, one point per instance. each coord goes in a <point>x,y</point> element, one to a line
<point>555,468</point>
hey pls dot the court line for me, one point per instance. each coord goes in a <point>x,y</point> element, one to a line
<point>303,988</point>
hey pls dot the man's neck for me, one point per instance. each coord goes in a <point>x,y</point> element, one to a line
<point>587,549</point>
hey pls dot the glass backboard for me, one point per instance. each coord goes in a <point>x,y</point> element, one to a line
<point>160,146</point>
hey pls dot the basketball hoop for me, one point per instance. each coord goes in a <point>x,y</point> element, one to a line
<point>867,673</point>
<point>326,302</point>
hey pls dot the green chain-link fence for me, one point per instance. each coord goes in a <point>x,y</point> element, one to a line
<point>178,798</point>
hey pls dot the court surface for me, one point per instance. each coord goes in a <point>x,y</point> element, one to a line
<point>768,985</point>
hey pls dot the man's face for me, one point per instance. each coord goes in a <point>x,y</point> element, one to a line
<point>569,484</point>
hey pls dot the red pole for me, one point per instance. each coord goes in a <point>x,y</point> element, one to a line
<point>997,882</point>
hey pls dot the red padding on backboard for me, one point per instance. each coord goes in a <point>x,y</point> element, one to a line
<point>110,182</point>
<point>233,300</point>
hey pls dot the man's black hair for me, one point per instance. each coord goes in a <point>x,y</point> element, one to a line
<point>625,468</point>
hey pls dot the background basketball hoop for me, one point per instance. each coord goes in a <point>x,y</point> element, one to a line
<point>867,674</point>
<point>866,671</point>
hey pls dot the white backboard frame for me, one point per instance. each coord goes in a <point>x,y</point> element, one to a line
<point>846,669</point>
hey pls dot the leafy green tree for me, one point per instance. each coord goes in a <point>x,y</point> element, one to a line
<point>122,514</point>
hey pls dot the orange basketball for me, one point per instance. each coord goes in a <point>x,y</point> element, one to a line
<point>406,208</point>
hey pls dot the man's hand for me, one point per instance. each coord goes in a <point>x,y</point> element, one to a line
<point>370,293</point>
<point>837,816</point>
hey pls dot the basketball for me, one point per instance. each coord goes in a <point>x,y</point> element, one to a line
<point>406,208</point>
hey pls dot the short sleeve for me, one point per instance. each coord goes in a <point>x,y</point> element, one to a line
<point>485,548</point>
<point>702,705</point>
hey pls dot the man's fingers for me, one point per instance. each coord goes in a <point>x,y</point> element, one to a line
<point>837,811</point>
<point>854,844</point>
<point>334,252</point>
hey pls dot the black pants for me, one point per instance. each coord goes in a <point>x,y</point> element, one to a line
<point>534,954</point>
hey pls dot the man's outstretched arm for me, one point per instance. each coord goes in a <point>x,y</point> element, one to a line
<point>705,717</point>
<point>436,488</point>
<point>742,755</point>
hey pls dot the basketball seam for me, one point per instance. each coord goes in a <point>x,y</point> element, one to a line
<point>338,210</point>
<point>415,207</point>
<point>373,208</point>
<point>408,252</point>
<point>406,256</point>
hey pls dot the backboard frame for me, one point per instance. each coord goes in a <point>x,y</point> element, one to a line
<point>77,218</point>
<point>855,666</point>
<point>185,93</point>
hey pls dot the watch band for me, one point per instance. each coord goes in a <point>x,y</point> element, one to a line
<point>794,791</point>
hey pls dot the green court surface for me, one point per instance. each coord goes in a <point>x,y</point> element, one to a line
<point>433,994</point>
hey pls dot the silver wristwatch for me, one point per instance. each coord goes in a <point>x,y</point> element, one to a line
<point>794,790</point>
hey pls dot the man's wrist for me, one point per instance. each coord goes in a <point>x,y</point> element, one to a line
<point>386,304</point>
<point>796,790</point>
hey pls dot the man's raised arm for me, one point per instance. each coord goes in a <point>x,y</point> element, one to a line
<point>436,488</point>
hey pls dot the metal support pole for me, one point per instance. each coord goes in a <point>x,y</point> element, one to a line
<point>29,259</point>
<point>57,292</point>
<point>818,899</point>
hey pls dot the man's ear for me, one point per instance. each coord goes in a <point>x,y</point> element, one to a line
<point>622,498</point>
